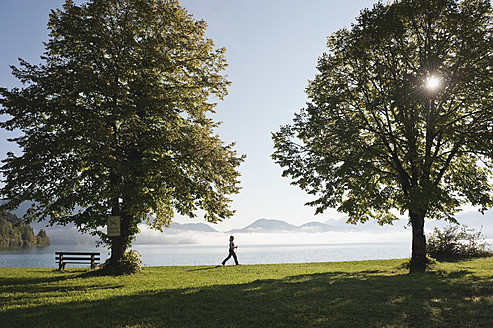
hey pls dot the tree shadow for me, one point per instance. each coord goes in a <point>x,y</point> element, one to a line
<point>206,268</point>
<point>54,276</point>
<point>457,259</point>
<point>335,299</point>
<point>23,289</point>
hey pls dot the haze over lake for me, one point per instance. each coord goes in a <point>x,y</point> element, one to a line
<point>263,241</point>
<point>274,231</point>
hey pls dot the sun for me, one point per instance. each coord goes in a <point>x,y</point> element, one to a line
<point>433,82</point>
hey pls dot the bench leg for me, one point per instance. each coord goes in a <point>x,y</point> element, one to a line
<point>61,265</point>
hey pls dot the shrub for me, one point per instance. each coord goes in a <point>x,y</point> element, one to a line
<point>457,241</point>
<point>430,263</point>
<point>129,264</point>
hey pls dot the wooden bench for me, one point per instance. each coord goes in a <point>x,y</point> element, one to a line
<point>63,258</point>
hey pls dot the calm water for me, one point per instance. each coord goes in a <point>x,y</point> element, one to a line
<point>162,255</point>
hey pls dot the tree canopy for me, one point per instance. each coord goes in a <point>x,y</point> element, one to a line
<point>116,120</point>
<point>15,233</point>
<point>400,116</point>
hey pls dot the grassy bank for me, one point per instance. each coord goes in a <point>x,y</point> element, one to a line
<point>344,294</point>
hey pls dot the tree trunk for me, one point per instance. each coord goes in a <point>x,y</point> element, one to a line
<point>418,257</point>
<point>119,244</point>
<point>117,250</point>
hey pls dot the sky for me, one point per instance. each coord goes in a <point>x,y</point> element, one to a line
<point>272,47</point>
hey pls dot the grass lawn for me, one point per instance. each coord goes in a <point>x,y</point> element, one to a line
<point>340,294</point>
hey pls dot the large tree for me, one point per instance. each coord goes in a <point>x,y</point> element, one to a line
<point>116,120</point>
<point>400,116</point>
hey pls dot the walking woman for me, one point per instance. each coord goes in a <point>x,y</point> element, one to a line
<point>231,251</point>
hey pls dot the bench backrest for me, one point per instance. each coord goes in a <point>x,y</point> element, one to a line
<point>78,253</point>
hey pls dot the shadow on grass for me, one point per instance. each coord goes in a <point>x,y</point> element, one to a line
<point>206,268</point>
<point>25,289</point>
<point>56,276</point>
<point>364,299</point>
<point>458,259</point>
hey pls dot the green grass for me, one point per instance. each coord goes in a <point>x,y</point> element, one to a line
<point>341,294</point>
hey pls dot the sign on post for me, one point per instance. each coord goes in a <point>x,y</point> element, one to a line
<point>113,226</point>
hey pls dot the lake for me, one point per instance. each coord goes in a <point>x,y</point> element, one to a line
<point>184,255</point>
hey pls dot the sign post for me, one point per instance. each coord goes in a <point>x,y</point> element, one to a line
<point>113,226</point>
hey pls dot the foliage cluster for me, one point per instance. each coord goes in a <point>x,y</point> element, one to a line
<point>457,241</point>
<point>372,121</point>
<point>340,294</point>
<point>14,233</point>
<point>375,138</point>
<point>116,121</point>
<point>129,264</point>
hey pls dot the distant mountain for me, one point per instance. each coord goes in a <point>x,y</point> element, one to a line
<point>22,209</point>
<point>476,221</point>
<point>369,226</point>
<point>67,235</point>
<point>322,227</point>
<point>471,219</point>
<point>190,227</point>
<point>337,222</point>
<point>266,225</point>
<point>270,225</point>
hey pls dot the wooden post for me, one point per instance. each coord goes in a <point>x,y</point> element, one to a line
<point>60,262</point>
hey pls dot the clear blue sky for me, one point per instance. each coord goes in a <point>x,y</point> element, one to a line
<point>272,50</point>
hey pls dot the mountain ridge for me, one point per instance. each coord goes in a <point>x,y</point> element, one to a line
<point>263,225</point>
<point>66,235</point>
